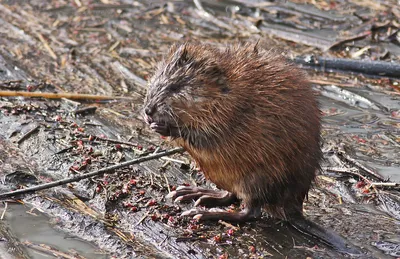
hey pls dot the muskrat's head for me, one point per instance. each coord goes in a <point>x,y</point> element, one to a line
<point>185,88</point>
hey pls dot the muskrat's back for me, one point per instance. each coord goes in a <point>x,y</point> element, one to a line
<point>248,117</point>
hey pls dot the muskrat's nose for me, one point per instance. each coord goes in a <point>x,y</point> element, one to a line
<point>149,110</point>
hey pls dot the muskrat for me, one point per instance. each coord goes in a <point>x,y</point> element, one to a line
<point>250,120</point>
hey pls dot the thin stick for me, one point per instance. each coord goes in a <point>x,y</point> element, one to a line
<point>61,95</point>
<point>167,182</point>
<point>47,46</point>
<point>151,180</point>
<point>143,218</point>
<point>355,172</point>
<point>116,141</point>
<point>87,175</point>
<point>162,241</point>
<point>229,225</point>
<point>30,132</point>
<point>174,160</point>
<point>385,184</point>
<point>4,211</point>
<point>207,16</point>
<point>359,165</point>
<point>48,250</point>
<point>155,151</point>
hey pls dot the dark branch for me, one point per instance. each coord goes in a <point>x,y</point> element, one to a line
<point>366,67</point>
<point>84,176</point>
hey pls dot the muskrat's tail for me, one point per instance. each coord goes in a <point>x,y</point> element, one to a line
<point>329,237</point>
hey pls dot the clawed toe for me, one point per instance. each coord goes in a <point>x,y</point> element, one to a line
<point>197,211</point>
<point>192,213</point>
<point>215,215</point>
<point>186,193</point>
<point>198,214</point>
<point>204,197</point>
<point>171,195</point>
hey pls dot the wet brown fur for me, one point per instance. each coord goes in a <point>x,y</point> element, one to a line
<point>256,121</point>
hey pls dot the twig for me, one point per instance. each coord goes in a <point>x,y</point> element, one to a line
<point>62,95</point>
<point>360,52</point>
<point>142,199</point>
<point>162,241</point>
<point>297,36</point>
<point>115,141</point>
<point>167,182</point>
<point>359,165</point>
<point>352,38</point>
<point>165,164</point>
<point>339,170</point>
<point>122,235</point>
<point>156,151</point>
<point>47,46</point>
<point>63,150</point>
<point>30,132</point>
<point>92,124</point>
<point>349,97</point>
<point>229,225</point>
<point>354,171</point>
<point>128,74</point>
<point>174,160</point>
<point>207,16</point>
<point>87,175</point>
<point>4,211</point>
<point>48,250</point>
<point>114,46</point>
<point>185,239</point>
<point>9,82</point>
<point>325,82</point>
<point>85,110</point>
<point>78,3</point>
<point>385,184</point>
<point>74,103</point>
<point>311,249</point>
<point>384,137</point>
<point>143,218</point>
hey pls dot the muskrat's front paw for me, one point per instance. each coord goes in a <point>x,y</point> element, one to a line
<point>165,129</point>
<point>160,128</point>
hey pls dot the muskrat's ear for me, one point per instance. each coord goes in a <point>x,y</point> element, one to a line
<point>218,77</point>
<point>215,72</point>
<point>181,55</point>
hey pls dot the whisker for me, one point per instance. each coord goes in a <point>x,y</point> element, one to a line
<point>175,120</point>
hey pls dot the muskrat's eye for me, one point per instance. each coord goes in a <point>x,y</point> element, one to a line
<point>173,87</point>
<point>225,89</point>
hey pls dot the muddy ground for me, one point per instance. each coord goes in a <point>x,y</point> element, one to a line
<point>109,48</point>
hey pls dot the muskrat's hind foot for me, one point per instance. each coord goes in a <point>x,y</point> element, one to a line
<point>246,214</point>
<point>205,197</point>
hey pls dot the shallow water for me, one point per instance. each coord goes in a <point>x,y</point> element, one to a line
<point>369,124</point>
<point>38,230</point>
